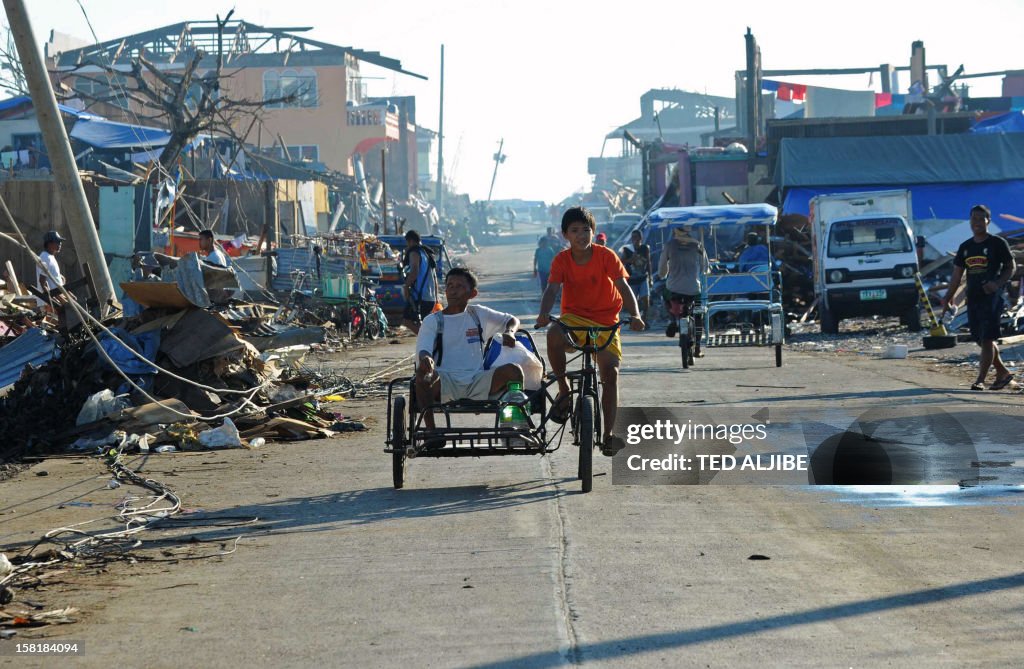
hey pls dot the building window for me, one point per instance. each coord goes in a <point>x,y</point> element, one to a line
<point>301,152</point>
<point>300,84</point>
<point>32,140</point>
<point>101,87</point>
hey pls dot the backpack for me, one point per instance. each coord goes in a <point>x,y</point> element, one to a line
<point>438,351</point>
<point>417,290</point>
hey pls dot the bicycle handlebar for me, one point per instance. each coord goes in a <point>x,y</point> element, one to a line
<point>567,331</point>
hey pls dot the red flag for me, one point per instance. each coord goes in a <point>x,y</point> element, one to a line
<point>799,92</point>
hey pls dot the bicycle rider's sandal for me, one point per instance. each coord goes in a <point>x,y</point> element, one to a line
<point>612,445</point>
<point>560,409</point>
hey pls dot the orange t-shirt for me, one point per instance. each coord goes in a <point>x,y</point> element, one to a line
<point>589,290</point>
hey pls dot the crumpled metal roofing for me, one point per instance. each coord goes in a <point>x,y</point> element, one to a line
<point>34,347</point>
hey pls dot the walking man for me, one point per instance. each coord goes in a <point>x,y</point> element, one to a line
<point>988,263</point>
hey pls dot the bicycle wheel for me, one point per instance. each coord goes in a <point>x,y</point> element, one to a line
<point>586,434</point>
<point>398,460</point>
<point>684,348</point>
<point>372,327</point>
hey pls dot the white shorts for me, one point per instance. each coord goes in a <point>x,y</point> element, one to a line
<point>477,389</point>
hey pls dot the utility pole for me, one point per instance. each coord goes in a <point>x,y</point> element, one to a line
<point>384,191</point>
<point>55,137</point>
<point>499,158</point>
<point>440,145</point>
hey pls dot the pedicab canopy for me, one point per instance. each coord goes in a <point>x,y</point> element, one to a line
<point>703,217</point>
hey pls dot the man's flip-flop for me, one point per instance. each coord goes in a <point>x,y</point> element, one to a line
<point>1001,383</point>
<point>977,386</point>
<point>560,410</point>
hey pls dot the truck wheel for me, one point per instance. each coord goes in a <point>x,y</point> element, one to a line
<point>827,320</point>
<point>912,318</point>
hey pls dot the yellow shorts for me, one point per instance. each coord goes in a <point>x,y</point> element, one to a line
<point>615,348</point>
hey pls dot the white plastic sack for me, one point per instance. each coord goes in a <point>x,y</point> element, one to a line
<point>225,436</point>
<point>99,405</point>
<point>533,370</point>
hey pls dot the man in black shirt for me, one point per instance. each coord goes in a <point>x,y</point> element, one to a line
<point>988,263</point>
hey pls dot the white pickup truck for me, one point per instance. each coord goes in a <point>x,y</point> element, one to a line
<point>864,257</point>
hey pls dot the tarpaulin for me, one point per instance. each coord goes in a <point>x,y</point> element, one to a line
<point>111,135</point>
<point>1011,122</point>
<point>934,201</point>
<point>895,161</point>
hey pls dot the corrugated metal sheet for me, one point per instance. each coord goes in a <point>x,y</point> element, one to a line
<point>33,347</point>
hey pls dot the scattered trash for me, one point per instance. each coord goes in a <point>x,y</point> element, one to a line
<point>113,483</point>
<point>225,436</point>
<point>166,448</point>
<point>99,405</point>
<point>258,442</point>
<point>5,565</point>
<point>43,473</point>
<point>895,352</point>
<point>757,556</point>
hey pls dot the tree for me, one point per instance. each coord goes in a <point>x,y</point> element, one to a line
<point>187,104</point>
<point>12,78</point>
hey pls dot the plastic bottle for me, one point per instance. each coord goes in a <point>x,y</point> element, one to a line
<point>512,415</point>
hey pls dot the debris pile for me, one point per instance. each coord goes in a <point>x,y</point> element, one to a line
<point>190,369</point>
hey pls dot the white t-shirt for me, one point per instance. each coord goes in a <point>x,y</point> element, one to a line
<point>461,342</point>
<point>217,256</point>
<point>51,264</point>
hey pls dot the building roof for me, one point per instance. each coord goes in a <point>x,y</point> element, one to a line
<point>245,45</point>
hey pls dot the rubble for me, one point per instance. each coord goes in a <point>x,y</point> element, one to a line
<point>189,369</point>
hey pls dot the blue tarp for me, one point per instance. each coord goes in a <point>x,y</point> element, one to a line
<point>934,201</point>
<point>11,103</point>
<point>103,134</point>
<point>1011,122</point>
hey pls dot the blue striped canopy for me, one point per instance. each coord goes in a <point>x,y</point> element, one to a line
<point>705,217</point>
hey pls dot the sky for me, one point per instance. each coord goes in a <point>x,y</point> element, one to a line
<point>553,77</point>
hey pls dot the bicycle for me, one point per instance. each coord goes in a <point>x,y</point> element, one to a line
<point>583,384</point>
<point>683,308</point>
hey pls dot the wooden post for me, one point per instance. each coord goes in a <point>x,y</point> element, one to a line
<point>55,137</point>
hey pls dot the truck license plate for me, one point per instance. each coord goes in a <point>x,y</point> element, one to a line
<point>876,294</point>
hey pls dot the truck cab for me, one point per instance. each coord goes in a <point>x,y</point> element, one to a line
<point>865,261</point>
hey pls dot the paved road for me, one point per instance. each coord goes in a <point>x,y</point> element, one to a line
<point>502,563</point>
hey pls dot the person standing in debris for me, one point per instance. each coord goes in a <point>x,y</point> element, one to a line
<point>420,287</point>
<point>214,254</point>
<point>636,256</point>
<point>50,278</point>
<point>542,259</point>
<point>682,264</point>
<point>450,348</point>
<point>988,263</point>
<point>593,294</point>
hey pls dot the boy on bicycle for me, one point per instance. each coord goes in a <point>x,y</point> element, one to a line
<point>594,290</point>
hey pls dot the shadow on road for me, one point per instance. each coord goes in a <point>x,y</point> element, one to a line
<point>638,645</point>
